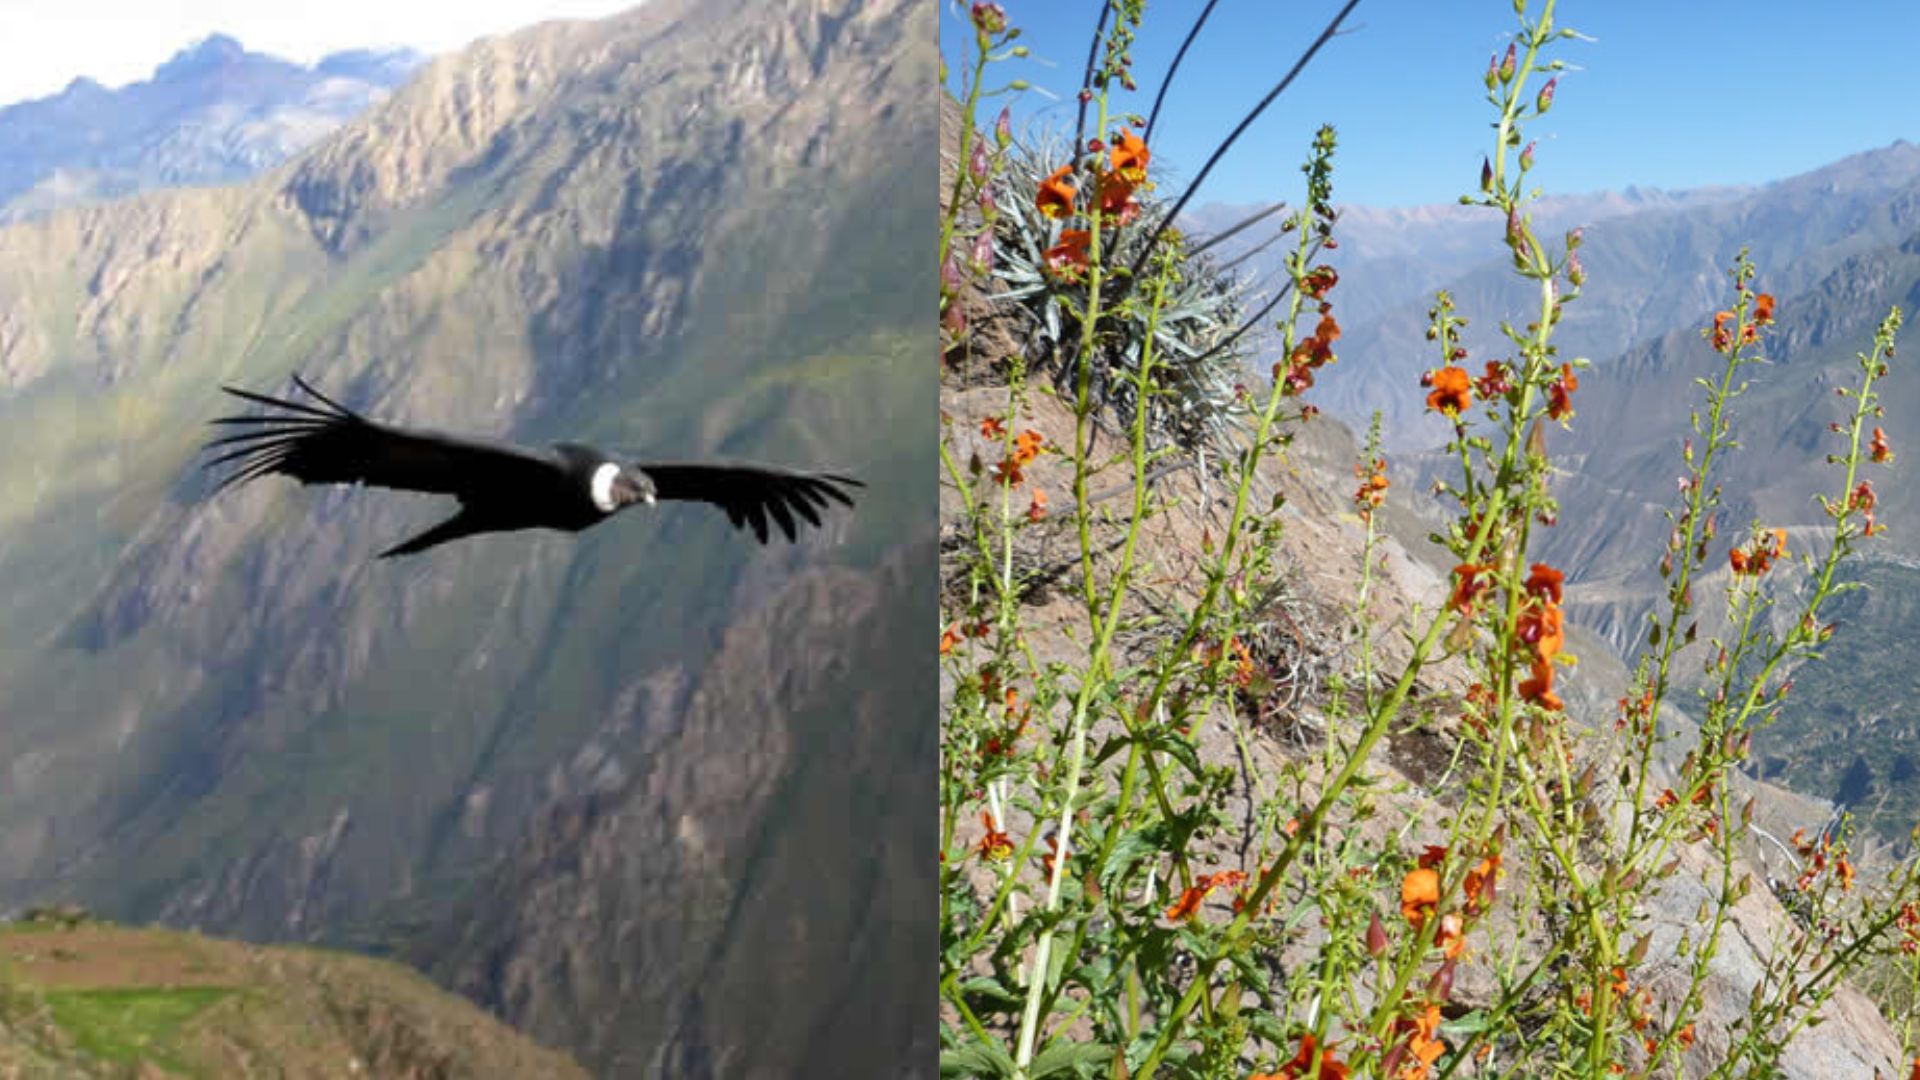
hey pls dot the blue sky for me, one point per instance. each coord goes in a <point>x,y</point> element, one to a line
<point>1676,94</point>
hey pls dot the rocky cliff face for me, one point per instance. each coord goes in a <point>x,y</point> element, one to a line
<point>677,232</point>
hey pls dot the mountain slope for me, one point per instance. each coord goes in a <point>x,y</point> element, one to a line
<point>214,113</point>
<point>676,231</point>
<point>83,998</point>
<point>1625,453</point>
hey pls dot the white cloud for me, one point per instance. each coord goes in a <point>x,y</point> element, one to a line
<point>45,44</point>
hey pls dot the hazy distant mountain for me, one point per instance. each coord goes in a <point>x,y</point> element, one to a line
<point>1655,263</point>
<point>214,113</point>
<point>1393,256</point>
<point>654,792</point>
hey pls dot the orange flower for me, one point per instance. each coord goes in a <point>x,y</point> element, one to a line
<point>1539,688</point>
<point>1037,505</point>
<point>992,428</point>
<point>1452,390</point>
<point>995,844</point>
<point>1763,308</point>
<point>1684,1036</point>
<point>1026,447</point>
<point>1844,868</point>
<point>1915,1074</point>
<point>1328,328</point>
<point>1468,587</point>
<point>1722,337</point>
<point>1667,800</point>
<point>1116,198</point>
<point>1759,560</point>
<point>1068,258</point>
<point>950,637</point>
<point>1130,157</point>
<point>1495,383</point>
<point>1028,444</point>
<point>1542,625</point>
<point>1544,581</point>
<point>1055,199</point>
<point>1331,1068</point>
<point>1483,882</point>
<point>1882,453</point>
<point>1189,902</point>
<point>1863,499</point>
<point>1423,1044</point>
<point>1319,281</point>
<point>1559,393</point>
<point>1419,894</point>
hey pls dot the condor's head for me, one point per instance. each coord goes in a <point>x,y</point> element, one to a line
<point>614,487</point>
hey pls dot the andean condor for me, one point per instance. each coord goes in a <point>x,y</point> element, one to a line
<point>502,486</point>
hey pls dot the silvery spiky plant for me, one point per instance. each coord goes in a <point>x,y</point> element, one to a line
<point>1202,355</point>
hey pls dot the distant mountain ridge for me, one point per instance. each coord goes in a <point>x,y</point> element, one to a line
<point>1653,260</point>
<point>213,113</point>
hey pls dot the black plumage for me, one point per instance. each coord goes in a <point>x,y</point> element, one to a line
<point>502,486</point>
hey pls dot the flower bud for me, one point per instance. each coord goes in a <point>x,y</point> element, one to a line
<point>1003,128</point>
<point>983,252</point>
<point>977,161</point>
<point>1486,175</point>
<point>1526,158</point>
<point>1376,937</point>
<point>1545,101</point>
<point>1493,71</point>
<point>1509,65</point>
<point>989,18</point>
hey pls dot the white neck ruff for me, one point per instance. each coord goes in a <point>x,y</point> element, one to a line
<point>601,488</point>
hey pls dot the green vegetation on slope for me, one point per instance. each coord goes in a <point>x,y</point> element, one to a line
<point>84,998</point>
<point>1851,728</point>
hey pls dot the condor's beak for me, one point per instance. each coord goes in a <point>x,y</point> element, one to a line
<point>630,487</point>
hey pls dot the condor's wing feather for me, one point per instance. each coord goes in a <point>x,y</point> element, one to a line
<point>750,493</point>
<point>330,444</point>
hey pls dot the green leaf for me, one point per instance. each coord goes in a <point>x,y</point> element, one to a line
<point>977,1059</point>
<point>1134,845</point>
<point>1062,1056</point>
<point>990,991</point>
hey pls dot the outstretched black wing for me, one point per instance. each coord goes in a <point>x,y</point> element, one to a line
<point>751,493</point>
<point>328,443</point>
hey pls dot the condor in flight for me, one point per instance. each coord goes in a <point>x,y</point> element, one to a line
<point>501,486</point>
